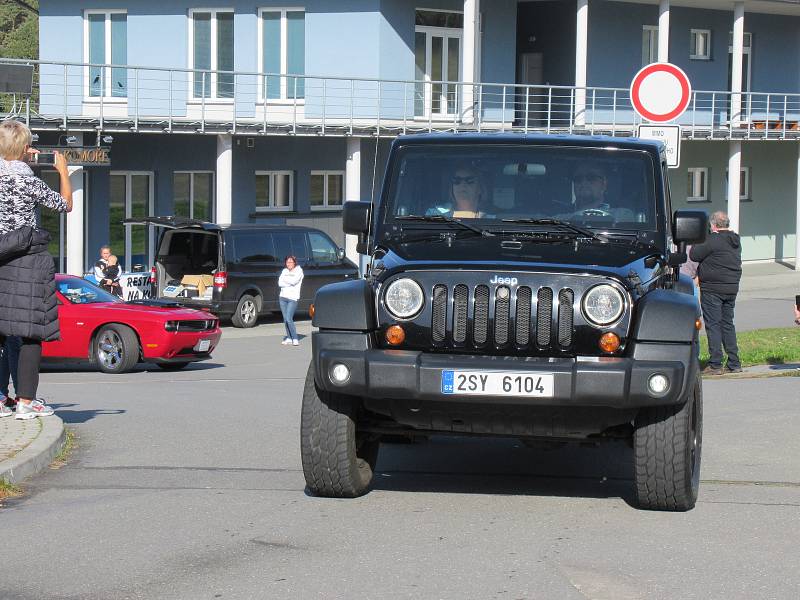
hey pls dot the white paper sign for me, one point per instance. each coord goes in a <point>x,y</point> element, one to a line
<point>670,135</point>
<point>135,286</point>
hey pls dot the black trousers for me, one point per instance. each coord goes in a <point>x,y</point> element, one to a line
<point>720,330</point>
<point>30,356</point>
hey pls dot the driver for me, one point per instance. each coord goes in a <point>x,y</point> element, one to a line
<point>589,185</point>
<point>467,193</point>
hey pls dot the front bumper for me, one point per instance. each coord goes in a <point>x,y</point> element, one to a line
<point>613,382</point>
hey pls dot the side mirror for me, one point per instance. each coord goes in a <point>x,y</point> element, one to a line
<point>341,253</point>
<point>689,226</point>
<point>355,217</point>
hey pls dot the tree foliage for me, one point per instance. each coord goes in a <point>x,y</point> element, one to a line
<point>19,30</point>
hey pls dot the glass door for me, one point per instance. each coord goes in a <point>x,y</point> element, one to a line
<point>437,59</point>
<point>131,196</point>
<point>56,224</point>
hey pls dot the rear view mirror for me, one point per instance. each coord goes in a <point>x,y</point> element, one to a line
<point>355,217</point>
<point>689,226</point>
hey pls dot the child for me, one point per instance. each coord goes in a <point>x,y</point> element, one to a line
<point>110,280</point>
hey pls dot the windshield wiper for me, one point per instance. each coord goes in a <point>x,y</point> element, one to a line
<point>444,219</point>
<point>565,224</point>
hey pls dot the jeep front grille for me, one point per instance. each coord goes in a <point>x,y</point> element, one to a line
<point>467,316</point>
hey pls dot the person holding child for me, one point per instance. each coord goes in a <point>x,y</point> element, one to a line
<point>110,281</point>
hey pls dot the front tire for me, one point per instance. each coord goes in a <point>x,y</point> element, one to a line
<point>667,444</point>
<point>246,314</point>
<point>116,349</point>
<point>337,461</point>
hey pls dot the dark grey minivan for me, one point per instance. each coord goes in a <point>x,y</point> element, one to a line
<point>245,262</point>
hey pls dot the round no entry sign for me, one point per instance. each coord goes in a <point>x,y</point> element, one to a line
<point>660,92</point>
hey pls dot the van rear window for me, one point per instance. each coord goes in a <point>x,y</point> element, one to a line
<point>252,246</point>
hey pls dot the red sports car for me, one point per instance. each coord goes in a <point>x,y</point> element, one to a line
<point>116,335</point>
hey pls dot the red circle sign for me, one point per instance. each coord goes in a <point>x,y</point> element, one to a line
<point>660,92</point>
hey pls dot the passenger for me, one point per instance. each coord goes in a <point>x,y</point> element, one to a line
<point>590,186</point>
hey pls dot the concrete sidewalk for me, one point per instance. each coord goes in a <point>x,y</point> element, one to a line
<point>27,447</point>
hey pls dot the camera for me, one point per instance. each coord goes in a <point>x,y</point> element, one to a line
<point>41,158</point>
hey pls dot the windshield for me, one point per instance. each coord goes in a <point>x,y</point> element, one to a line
<point>493,186</point>
<point>80,291</point>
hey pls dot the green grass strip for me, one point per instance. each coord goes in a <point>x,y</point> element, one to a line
<point>763,346</point>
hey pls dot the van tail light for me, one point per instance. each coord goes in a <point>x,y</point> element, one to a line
<point>153,276</point>
<point>221,280</point>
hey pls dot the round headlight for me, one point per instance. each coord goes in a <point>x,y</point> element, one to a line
<point>404,298</point>
<point>603,304</point>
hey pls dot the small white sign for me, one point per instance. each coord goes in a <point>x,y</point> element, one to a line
<point>670,135</point>
<point>135,286</point>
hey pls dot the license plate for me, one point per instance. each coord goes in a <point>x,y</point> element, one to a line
<point>497,383</point>
<point>202,346</point>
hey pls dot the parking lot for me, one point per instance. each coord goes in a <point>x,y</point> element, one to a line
<point>188,485</point>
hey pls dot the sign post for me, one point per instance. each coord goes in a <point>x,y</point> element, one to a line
<point>660,93</point>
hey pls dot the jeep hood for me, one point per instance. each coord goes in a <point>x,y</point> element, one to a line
<point>613,258</point>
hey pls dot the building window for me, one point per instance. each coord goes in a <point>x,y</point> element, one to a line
<point>700,44</point>
<point>105,35</point>
<point>274,190</point>
<point>697,186</point>
<point>327,189</point>
<point>282,41</point>
<point>744,183</point>
<point>649,44</point>
<point>747,60</point>
<point>193,195</point>
<point>437,56</point>
<point>211,35</point>
<point>130,197</point>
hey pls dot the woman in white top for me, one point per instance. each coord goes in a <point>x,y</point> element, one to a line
<point>290,281</point>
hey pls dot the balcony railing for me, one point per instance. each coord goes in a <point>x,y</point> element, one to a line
<point>118,98</point>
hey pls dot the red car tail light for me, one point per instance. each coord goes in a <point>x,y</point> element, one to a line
<point>221,279</point>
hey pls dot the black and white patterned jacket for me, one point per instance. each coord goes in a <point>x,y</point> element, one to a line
<point>21,192</point>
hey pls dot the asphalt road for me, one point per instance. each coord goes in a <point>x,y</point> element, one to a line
<point>188,486</point>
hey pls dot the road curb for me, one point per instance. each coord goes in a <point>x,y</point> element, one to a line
<point>37,455</point>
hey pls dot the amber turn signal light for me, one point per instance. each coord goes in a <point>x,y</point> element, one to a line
<point>311,311</point>
<point>698,324</point>
<point>395,335</point>
<point>609,342</point>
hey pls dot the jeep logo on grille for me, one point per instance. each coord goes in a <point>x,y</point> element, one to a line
<point>497,280</point>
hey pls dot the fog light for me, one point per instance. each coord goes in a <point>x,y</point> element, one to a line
<point>658,384</point>
<point>340,373</point>
<point>609,342</point>
<point>395,335</point>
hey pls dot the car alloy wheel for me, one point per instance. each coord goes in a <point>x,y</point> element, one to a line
<point>110,351</point>
<point>248,311</point>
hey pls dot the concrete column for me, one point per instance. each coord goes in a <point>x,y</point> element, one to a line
<point>352,189</point>
<point>734,166</point>
<point>224,178</point>
<point>76,245</point>
<point>797,216</point>
<point>737,59</point>
<point>469,61</point>
<point>581,54</point>
<point>663,31</point>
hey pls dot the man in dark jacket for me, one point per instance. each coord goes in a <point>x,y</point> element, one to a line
<point>719,271</point>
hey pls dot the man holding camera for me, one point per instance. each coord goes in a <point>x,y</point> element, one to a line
<point>719,270</point>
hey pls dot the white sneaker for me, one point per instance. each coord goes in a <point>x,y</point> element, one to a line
<point>295,343</point>
<point>286,342</point>
<point>36,408</point>
<point>5,411</point>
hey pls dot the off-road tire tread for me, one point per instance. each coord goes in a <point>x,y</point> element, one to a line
<point>327,444</point>
<point>660,447</point>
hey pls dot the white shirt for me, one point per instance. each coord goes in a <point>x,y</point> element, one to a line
<point>290,282</point>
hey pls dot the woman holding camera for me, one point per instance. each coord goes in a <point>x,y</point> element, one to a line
<point>27,274</point>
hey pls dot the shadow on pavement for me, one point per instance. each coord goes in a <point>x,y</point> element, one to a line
<point>82,416</point>
<point>506,466</point>
<point>85,367</point>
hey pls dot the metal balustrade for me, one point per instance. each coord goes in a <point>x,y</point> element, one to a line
<point>81,97</point>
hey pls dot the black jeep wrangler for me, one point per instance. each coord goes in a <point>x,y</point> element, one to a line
<point>522,286</point>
